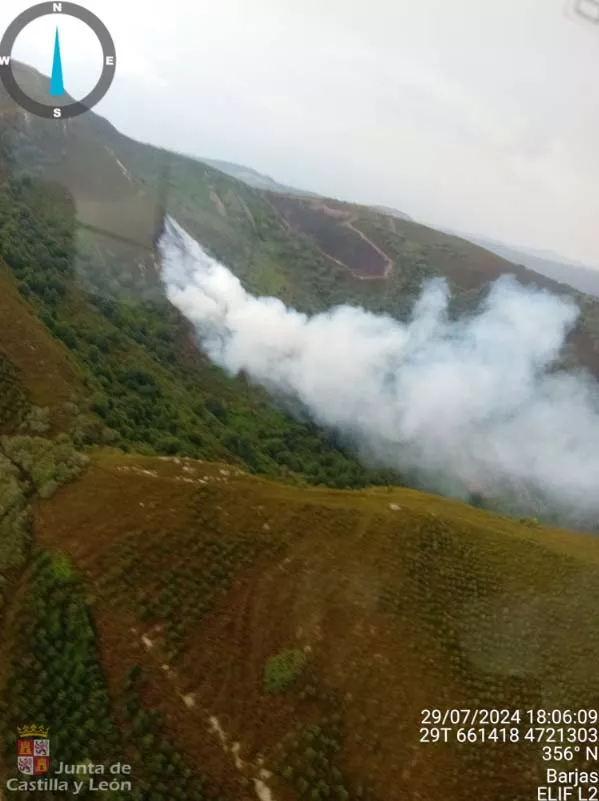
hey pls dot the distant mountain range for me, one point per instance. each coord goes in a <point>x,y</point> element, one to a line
<point>575,274</point>
<point>545,262</point>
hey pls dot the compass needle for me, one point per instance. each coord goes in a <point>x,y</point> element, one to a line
<point>53,110</point>
<point>56,81</point>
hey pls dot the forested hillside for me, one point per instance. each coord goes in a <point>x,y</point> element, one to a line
<point>146,387</point>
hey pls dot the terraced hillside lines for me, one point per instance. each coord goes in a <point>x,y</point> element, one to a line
<point>49,376</point>
<point>399,601</point>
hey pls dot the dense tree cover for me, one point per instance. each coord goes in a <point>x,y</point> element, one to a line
<point>29,466</point>
<point>15,524</point>
<point>55,675</point>
<point>46,463</point>
<point>147,394</point>
<point>36,240</point>
<point>308,760</point>
<point>14,399</point>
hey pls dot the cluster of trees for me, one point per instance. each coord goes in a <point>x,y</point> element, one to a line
<point>37,421</point>
<point>308,759</point>
<point>47,464</point>
<point>28,466</point>
<point>36,239</point>
<point>282,669</point>
<point>15,525</point>
<point>55,676</point>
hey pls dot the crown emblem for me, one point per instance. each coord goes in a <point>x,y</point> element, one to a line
<point>33,730</point>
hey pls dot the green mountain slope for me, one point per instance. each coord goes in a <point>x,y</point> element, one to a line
<point>310,627</point>
<point>144,379</point>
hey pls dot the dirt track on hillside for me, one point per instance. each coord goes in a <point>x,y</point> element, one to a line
<point>326,227</point>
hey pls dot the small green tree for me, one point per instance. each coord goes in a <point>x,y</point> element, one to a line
<point>282,669</point>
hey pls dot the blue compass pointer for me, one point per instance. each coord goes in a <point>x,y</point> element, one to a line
<point>56,82</point>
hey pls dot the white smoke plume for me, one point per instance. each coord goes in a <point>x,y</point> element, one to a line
<point>475,403</point>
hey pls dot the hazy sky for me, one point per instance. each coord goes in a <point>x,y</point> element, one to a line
<point>474,114</point>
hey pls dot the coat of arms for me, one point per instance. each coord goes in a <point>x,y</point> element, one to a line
<point>33,750</point>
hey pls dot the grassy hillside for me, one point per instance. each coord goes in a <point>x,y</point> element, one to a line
<point>311,628</point>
